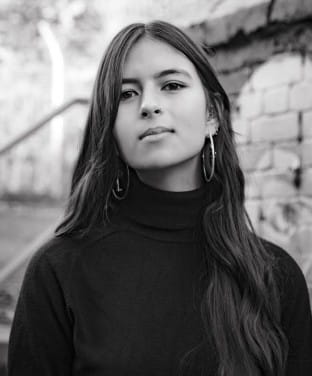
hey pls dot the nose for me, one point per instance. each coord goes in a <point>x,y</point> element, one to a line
<point>150,104</point>
<point>149,111</point>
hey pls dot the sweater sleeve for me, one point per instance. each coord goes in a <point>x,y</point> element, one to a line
<point>41,336</point>
<point>296,317</point>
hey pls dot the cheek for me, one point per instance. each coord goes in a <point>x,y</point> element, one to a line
<point>123,135</point>
<point>194,118</point>
<point>118,134</point>
<point>195,106</point>
<point>121,127</point>
<point>126,116</point>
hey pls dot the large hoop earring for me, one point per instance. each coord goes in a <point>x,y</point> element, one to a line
<point>212,154</point>
<point>117,189</point>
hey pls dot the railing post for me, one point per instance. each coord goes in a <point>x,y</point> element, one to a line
<point>40,124</point>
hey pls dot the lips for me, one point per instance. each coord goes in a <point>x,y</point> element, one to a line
<point>155,130</point>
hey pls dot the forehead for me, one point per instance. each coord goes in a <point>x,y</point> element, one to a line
<point>150,56</point>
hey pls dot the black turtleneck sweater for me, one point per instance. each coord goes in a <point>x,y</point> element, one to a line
<point>123,301</point>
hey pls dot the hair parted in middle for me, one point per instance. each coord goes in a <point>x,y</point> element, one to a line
<point>240,304</point>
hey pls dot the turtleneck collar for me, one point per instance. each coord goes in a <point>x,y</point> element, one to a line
<point>160,209</point>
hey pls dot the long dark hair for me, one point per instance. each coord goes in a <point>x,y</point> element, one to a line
<point>240,304</point>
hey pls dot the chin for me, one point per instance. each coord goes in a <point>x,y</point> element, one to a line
<point>151,166</point>
<point>158,165</point>
<point>161,160</point>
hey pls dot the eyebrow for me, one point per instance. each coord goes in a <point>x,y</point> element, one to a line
<point>163,73</point>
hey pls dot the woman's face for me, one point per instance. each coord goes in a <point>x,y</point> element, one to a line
<point>162,116</point>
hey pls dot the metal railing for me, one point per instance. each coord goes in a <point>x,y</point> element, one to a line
<point>22,257</point>
<point>41,123</point>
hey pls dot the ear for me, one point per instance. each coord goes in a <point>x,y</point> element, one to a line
<point>212,124</point>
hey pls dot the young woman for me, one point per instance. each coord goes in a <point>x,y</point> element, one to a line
<point>155,269</point>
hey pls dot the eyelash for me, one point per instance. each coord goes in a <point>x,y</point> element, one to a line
<point>177,85</point>
<point>122,98</point>
<point>181,86</point>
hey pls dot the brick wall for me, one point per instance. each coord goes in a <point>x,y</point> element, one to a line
<point>268,79</point>
<point>272,105</point>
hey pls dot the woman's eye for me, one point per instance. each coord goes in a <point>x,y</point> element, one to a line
<point>127,94</point>
<point>173,86</point>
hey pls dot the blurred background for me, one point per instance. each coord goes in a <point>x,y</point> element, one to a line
<point>49,54</point>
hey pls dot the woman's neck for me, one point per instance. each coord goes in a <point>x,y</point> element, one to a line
<point>178,178</point>
<point>159,211</point>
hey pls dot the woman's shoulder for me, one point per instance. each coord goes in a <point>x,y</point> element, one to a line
<point>52,259</point>
<point>285,264</point>
<point>59,252</point>
<point>290,277</point>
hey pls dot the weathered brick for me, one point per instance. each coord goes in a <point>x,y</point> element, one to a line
<point>286,10</point>
<point>233,82</point>
<point>255,157</point>
<point>275,225</point>
<point>248,18</point>
<point>306,185</point>
<point>289,146</point>
<point>270,184</point>
<point>304,241</point>
<point>212,32</point>
<point>280,215</point>
<point>294,249</point>
<point>253,208</point>
<point>228,17</point>
<point>307,124</point>
<point>286,160</point>
<point>251,104</point>
<point>259,51</point>
<point>252,188</point>
<point>276,100</point>
<point>306,150</point>
<point>227,59</point>
<point>281,69</point>
<point>307,68</point>
<point>247,88</point>
<point>241,129</point>
<point>233,103</point>
<point>275,128</point>
<point>278,187</point>
<point>301,96</point>
<point>271,234</point>
<point>234,14</point>
<point>306,261</point>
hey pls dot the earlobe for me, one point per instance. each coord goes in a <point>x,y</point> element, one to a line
<point>212,126</point>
